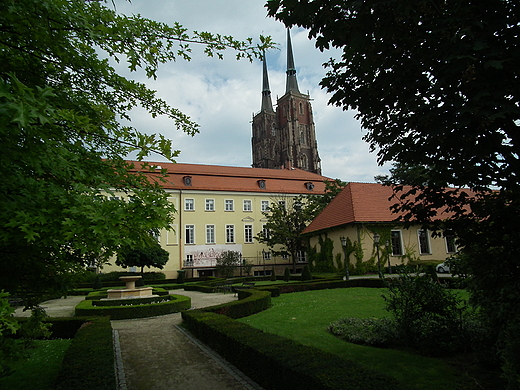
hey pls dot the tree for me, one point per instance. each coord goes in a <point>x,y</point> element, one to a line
<point>286,220</point>
<point>437,87</point>
<point>228,262</point>
<point>63,147</point>
<point>317,202</point>
<point>151,256</point>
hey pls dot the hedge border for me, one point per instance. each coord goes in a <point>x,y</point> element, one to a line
<point>288,364</point>
<point>172,304</point>
<point>89,361</point>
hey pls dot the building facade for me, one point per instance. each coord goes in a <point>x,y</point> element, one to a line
<point>285,136</point>
<point>363,209</point>
<point>220,209</point>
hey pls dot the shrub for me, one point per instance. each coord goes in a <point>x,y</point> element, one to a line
<point>306,274</point>
<point>287,274</point>
<point>273,277</point>
<point>89,362</point>
<point>375,332</point>
<point>428,316</point>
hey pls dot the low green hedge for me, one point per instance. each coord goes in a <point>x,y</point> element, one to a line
<point>171,304</point>
<point>249,302</point>
<point>279,363</point>
<point>89,362</point>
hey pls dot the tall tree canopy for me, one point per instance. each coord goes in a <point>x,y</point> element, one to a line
<point>62,143</point>
<point>436,84</point>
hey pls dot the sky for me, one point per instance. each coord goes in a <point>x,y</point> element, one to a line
<point>223,95</point>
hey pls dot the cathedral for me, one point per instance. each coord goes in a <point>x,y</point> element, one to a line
<point>285,137</point>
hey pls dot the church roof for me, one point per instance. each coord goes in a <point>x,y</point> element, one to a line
<point>200,177</point>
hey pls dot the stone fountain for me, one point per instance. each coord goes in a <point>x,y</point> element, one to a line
<point>130,291</point>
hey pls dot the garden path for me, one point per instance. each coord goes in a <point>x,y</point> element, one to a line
<point>157,354</point>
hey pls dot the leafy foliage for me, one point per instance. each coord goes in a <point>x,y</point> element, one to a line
<point>63,147</point>
<point>228,262</point>
<point>152,256</point>
<point>286,220</point>
<point>8,326</point>
<point>376,332</point>
<point>427,315</point>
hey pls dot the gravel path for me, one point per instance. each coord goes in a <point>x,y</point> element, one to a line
<point>157,355</point>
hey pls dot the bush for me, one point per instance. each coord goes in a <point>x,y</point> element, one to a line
<point>428,316</point>
<point>306,274</point>
<point>375,332</point>
<point>89,361</point>
<point>287,274</point>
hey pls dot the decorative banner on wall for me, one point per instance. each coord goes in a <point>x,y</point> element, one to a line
<point>206,256</point>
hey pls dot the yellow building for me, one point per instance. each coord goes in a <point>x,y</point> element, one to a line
<point>363,209</point>
<point>219,208</point>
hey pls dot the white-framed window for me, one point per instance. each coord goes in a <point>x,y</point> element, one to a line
<point>229,205</point>
<point>266,255</point>
<point>424,242</point>
<point>301,256</point>
<point>248,205</point>
<point>230,234</point>
<point>210,205</point>
<point>189,204</point>
<point>266,232</point>
<point>248,234</point>
<point>397,243</point>
<point>210,234</point>
<point>190,234</point>
<point>264,205</point>
<point>451,246</point>
<point>189,261</point>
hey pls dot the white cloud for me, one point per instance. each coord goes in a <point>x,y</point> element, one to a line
<point>223,95</point>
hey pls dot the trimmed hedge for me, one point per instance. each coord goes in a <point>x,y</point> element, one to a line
<point>276,362</point>
<point>89,362</point>
<point>171,304</point>
<point>249,302</point>
<point>128,301</point>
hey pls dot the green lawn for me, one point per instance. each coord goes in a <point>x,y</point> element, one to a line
<point>39,371</point>
<point>304,317</point>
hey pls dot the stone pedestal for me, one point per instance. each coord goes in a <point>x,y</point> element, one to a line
<point>130,291</point>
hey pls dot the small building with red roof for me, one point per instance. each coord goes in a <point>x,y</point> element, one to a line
<point>360,211</point>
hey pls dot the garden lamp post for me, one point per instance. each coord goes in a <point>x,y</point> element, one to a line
<point>344,246</point>
<point>388,256</point>
<point>377,237</point>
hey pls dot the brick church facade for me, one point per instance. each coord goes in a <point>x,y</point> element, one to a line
<point>285,137</point>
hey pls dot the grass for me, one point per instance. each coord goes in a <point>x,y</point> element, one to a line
<point>39,370</point>
<point>304,317</point>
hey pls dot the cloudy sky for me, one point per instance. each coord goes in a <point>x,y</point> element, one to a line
<point>222,96</point>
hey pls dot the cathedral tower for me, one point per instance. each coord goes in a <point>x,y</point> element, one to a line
<point>286,137</point>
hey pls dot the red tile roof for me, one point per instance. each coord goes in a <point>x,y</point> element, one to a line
<point>239,179</point>
<point>361,202</point>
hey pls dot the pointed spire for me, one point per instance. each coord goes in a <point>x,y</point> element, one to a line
<point>292,83</point>
<point>267,104</point>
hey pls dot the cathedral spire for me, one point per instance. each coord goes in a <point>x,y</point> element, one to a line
<point>267,104</point>
<point>292,83</point>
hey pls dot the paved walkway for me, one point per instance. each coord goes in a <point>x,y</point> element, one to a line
<point>155,353</point>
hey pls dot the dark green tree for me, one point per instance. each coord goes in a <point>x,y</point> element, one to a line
<point>63,146</point>
<point>228,262</point>
<point>286,219</point>
<point>437,86</point>
<point>151,256</point>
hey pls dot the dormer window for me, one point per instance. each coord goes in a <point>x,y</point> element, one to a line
<point>261,184</point>
<point>187,180</point>
<point>309,186</point>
